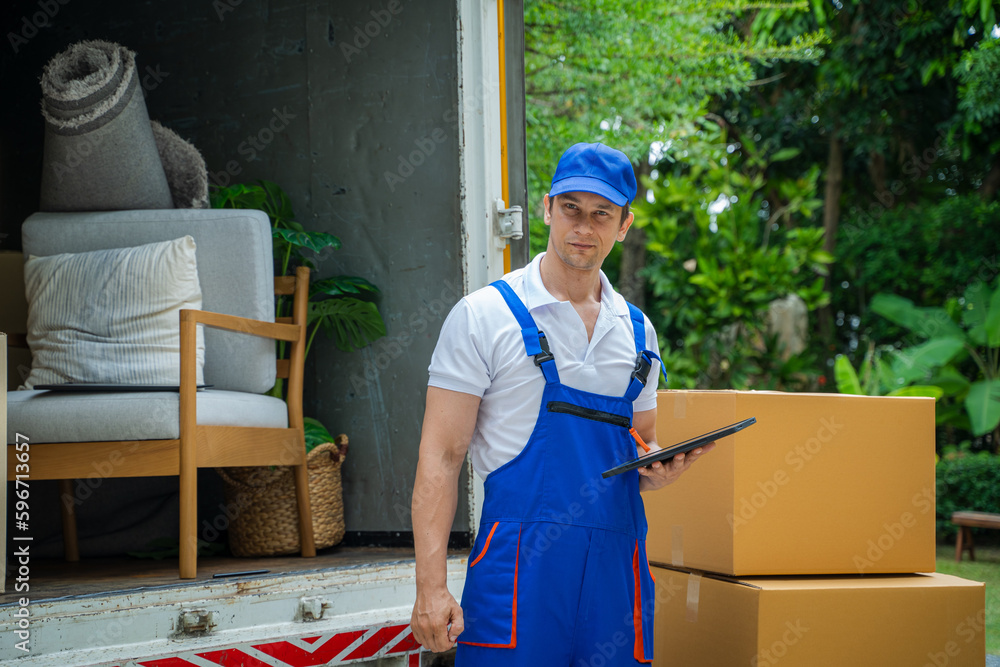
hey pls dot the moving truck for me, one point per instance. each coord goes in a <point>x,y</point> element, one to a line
<point>402,132</point>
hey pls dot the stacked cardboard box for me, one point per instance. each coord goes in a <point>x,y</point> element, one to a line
<point>799,540</point>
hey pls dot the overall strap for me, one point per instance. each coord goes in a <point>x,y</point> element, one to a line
<point>644,358</point>
<point>535,343</point>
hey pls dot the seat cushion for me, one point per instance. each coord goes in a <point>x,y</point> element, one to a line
<point>111,316</point>
<point>49,416</point>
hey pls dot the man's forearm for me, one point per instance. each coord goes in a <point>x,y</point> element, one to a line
<point>435,498</point>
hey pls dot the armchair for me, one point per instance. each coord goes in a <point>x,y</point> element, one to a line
<point>173,433</point>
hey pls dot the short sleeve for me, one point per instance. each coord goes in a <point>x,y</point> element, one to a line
<point>647,397</point>
<point>459,360</point>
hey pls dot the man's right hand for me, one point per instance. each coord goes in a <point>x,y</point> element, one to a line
<point>437,619</point>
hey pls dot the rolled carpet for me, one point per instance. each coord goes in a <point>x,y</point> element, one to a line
<point>184,166</point>
<point>99,153</point>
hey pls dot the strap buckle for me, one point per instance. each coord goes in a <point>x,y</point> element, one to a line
<point>544,355</point>
<point>642,367</point>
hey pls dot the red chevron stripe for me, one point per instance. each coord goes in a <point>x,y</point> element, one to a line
<point>409,643</point>
<point>298,657</point>
<point>376,642</point>
<point>323,652</point>
<point>232,657</point>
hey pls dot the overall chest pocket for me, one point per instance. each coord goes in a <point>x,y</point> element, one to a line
<point>489,601</point>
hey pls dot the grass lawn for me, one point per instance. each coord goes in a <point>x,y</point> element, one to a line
<point>985,568</point>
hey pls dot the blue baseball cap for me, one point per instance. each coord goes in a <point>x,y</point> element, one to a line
<point>598,169</point>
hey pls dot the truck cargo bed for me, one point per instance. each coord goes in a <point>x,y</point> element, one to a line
<point>348,605</point>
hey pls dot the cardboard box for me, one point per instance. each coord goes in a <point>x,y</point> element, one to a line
<point>821,484</point>
<point>915,620</point>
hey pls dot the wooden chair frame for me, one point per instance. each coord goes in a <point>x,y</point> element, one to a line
<point>200,446</point>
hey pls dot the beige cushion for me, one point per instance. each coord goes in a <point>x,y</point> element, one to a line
<point>111,316</point>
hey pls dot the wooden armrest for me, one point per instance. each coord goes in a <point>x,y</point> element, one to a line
<point>277,331</point>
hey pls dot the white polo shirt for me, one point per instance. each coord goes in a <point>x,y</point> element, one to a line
<point>480,351</point>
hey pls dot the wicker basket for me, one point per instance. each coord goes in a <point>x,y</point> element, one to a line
<point>265,516</point>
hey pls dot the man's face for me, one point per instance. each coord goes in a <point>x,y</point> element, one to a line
<point>583,228</point>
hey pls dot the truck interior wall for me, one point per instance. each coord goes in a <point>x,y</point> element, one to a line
<point>365,96</point>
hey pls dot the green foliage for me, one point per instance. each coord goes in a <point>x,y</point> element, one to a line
<point>351,322</point>
<point>290,237</point>
<point>315,433</point>
<point>629,73</point>
<point>965,330</point>
<point>966,483</point>
<point>877,377</point>
<point>924,253</point>
<point>912,55</point>
<point>979,92</point>
<point>720,256</point>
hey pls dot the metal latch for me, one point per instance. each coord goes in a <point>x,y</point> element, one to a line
<point>510,224</point>
<point>311,607</point>
<point>197,622</point>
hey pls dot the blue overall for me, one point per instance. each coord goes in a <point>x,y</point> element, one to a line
<point>558,575</point>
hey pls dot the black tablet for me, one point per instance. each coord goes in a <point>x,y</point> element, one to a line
<point>680,448</point>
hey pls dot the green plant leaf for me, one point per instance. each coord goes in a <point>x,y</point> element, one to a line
<point>951,381</point>
<point>315,433</point>
<point>925,322</point>
<point>917,362</point>
<point>983,406</point>
<point>315,241</point>
<point>279,206</point>
<point>785,154</point>
<point>993,319</point>
<point>974,311</point>
<point>341,285</point>
<point>845,376</point>
<point>918,390</point>
<point>352,323</point>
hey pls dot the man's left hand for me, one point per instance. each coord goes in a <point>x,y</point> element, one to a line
<point>661,473</point>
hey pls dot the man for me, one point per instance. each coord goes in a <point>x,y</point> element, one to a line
<point>542,378</point>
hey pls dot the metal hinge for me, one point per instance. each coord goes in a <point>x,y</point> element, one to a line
<point>311,607</point>
<point>509,221</point>
<point>197,622</point>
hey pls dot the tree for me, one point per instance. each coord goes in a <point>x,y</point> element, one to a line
<point>629,74</point>
<point>902,112</point>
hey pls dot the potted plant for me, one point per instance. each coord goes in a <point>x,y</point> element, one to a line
<point>262,500</point>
